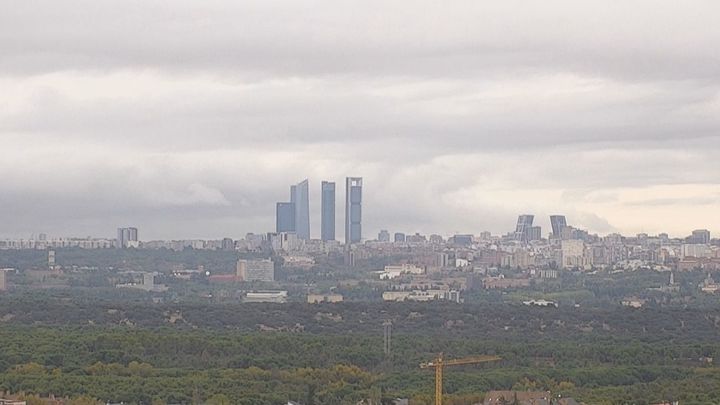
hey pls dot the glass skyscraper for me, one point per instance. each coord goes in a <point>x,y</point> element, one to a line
<point>557,222</point>
<point>299,195</point>
<point>285,217</point>
<point>522,230</point>
<point>353,210</point>
<point>327,211</point>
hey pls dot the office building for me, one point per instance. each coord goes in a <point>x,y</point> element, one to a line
<point>285,217</point>
<point>522,230</point>
<point>557,222</point>
<point>535,233</point>
<point>300,196</point>
<point>255,270</point>
<point>327,211</point>
<point>227,244</point>
<point>399,237</point>
<point>353,210</point>
<point>126,238</point>
<point>384,236</point>
<point>700,236</point>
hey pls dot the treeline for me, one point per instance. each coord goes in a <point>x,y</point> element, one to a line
<point>190,366</point>
<point>489,321</point>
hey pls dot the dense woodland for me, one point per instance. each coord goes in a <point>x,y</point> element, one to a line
<point>138,352</point>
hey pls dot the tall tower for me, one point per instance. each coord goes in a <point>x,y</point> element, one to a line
<point>557,222</point>
<point>285,217</point>
<point>353,210</point>
<point>127,237</point>
<point>327,211</point>
<point>522,230</point>
<point>299,195</point>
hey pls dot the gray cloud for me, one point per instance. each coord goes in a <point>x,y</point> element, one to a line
<point>190,119</point>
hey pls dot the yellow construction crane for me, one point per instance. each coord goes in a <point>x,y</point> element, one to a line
<point>439,363</point>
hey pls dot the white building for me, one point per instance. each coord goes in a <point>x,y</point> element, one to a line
<point>573,254</point>
<point>391,272</point>
<point>266,296</point>
<point>255,270</point>
<point>695,250</point>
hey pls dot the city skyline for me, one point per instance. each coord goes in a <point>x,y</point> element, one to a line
<point>502,110</point>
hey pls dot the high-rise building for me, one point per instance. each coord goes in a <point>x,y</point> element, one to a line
<point>127,237</point>
<point>399,237</point>
<point>535,233</point>
<point>522,230</point>
<point>300,196</point>
<point>384,236</point>
<point>353,210</point>
<point>285,217</point>
<point>557,222</point>
<point>255,270</point>
<point>227,244</point>
<point>327,211</point>
<point>700,236</point>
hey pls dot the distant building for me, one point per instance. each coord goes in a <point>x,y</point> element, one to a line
<point>51,259</point>
<point>227,244</point>
<point>462,240</point>
<point>284,241</point>
<point>277,297</point>
<point>255,270</point>
<point>148,283</point>
<point>300,196</point>
<point>284,217</point>
<point>573,253</point>
<point>557,223</point>
<point>709,285</point>
<point>12,402</point>
<point>319,298</point>
<point>700,236</point>
<point>127,237</point>
<point>518,397</point>
<point>522,229</point>
<point>535,233</point>
<point>399,237</point>
<point>353,209</point>
<point>384,236</point>
<point>327,211</point>
<point>391,272</point>
<point>695,250</point>
<point>421,295</point>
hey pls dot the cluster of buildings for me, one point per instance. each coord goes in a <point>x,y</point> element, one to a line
<point>293,217</point>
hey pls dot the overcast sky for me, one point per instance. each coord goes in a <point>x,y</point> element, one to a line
<point>191,119</point>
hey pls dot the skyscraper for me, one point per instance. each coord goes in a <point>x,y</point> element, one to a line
<point>557,222</point>
<point>353,209</point>
<point>327,211</point>
<point>522,230</point>
<point>285,217</point>
<point>127,237</point>
<point>700,236</point>
<point>299,195</point>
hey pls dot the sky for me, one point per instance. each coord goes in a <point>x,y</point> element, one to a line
<point>191,119</point>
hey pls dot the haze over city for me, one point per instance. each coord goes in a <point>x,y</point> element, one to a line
<point>191,122</point>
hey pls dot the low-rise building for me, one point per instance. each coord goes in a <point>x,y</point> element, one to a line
<point>318,298</point>
<point>266,296</point>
